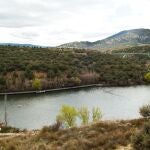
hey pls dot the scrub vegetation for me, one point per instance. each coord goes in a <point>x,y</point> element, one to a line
<point>103,135</point>
<point>33,68</point>
<point>141,139</point>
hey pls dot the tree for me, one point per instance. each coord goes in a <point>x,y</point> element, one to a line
<point>141,139</point>
<point>147,76</point>
<point>36,84</point>
<point>83,114</point>
<point>28,74</point>
<point>96,114</point>
<point>145,111</point>
<point>50,74</point>
<point>67,115</point>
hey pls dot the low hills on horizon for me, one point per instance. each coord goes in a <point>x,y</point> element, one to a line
<point>123,39</point>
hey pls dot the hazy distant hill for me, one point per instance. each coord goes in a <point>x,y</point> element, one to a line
<point>21,45</point>
<point>122,39</point>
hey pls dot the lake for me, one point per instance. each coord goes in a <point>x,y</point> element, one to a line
<point>36,110</point>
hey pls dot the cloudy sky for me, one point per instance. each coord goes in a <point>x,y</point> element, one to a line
<point>53,22</point>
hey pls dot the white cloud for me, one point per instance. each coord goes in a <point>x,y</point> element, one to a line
<point>53,22</point>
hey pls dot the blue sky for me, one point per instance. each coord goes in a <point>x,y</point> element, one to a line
<point>54,22</point>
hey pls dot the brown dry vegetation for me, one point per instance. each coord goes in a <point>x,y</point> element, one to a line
<point>104,135</point>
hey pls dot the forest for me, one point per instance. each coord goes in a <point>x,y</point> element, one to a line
<point>35,68</point>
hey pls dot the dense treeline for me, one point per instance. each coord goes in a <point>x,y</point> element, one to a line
<point>26,68</point>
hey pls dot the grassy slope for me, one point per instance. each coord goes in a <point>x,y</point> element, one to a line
<point>101,135</point>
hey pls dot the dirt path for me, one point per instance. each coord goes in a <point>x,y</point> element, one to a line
<point>12,135</point>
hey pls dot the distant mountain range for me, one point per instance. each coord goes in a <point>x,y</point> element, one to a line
<point>123,39</point>
<point>24,45</point>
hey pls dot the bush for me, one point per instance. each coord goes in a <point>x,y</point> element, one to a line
<point>53,128</point>
<point>141,140</point>
<point>145,111</point>
<point>28,74</point>
<point>96,114</point>
<point>83,114</point>
<point>75,80</point>
<point>7,129</point>
<point>147,76</point>
<point>50,74</point>
<point>67,115</point>
<point>36,84</point>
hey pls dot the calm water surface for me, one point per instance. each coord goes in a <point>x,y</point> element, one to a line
<point>37,110</point>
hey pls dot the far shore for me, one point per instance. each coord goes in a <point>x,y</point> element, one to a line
<point>50,90</point>
<point>63,88</point>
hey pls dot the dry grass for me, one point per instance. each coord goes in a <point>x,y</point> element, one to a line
<point>98,136</point>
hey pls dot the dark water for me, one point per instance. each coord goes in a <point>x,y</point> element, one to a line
<point>34,111</point>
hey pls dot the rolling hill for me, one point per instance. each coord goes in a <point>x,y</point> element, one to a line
<point>123,39</point>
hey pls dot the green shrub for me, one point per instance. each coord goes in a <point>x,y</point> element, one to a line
<point>147,76</point>
<point>145,111</point>
<point>28,74</point>
<point>96,114</point>
<point>141,140</point>
<point>36,84</point>
<point>67,115</point>
<point>7,129</point>
<point>83,114</point>
<point>50,74</point>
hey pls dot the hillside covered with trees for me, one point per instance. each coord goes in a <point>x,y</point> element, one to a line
<point>32,68</point>
<point>123,39</point>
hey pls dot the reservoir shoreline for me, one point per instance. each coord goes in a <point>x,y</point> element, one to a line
<point>50,90</point>
<point>61,89</point>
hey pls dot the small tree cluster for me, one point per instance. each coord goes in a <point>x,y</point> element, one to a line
<point>68,115</point>
<point>145,111</point>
